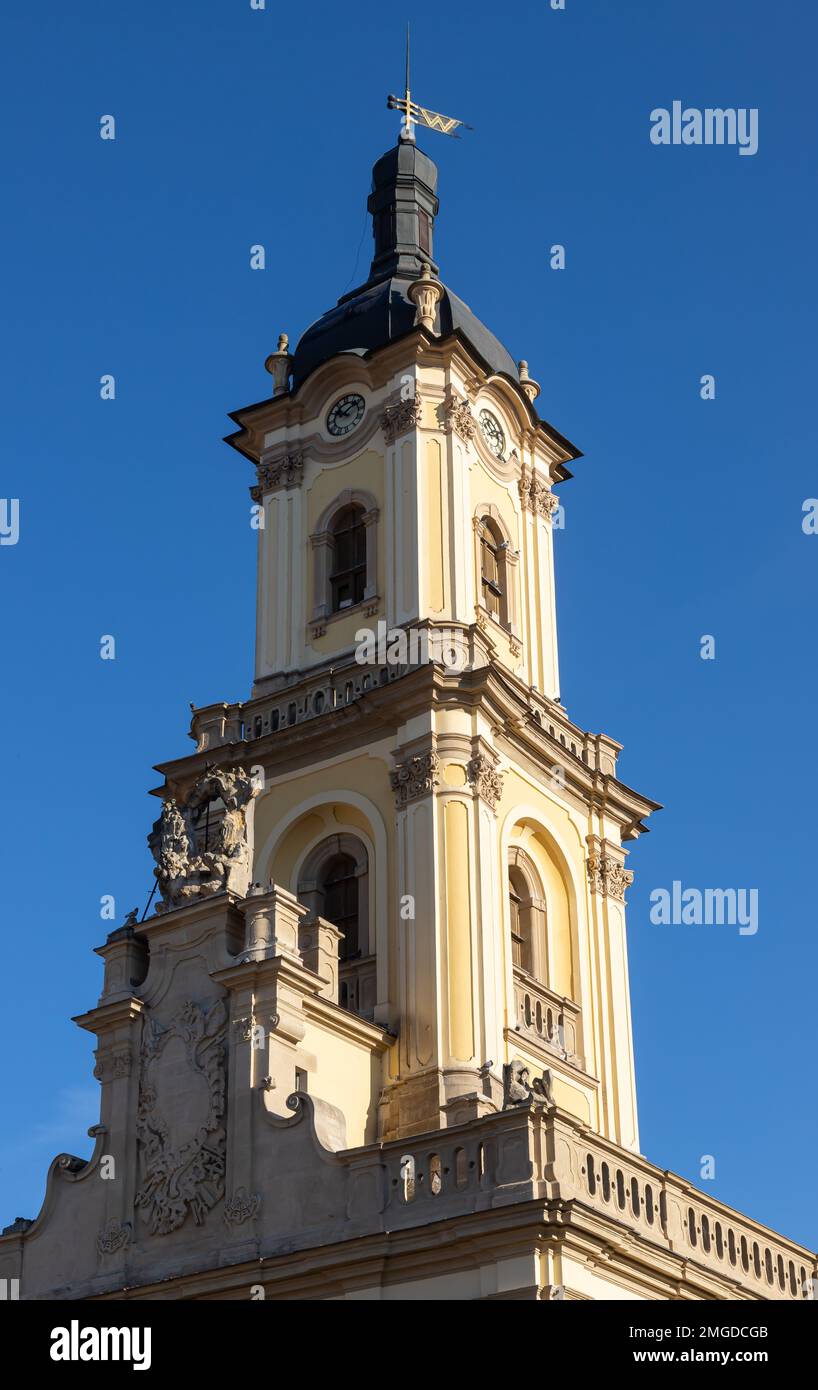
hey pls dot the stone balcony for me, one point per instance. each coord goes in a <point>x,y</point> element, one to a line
<point>546,1019</point>
<point>712,1251</point>
<point>330,690</point>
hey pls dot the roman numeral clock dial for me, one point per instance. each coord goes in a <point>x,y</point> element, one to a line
<point>345,416</point>
<point>492,432</point>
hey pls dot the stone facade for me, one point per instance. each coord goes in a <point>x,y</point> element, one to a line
<point>375,1039</point>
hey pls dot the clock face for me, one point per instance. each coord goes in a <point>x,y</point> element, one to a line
<point>345,415</point>
<point>492,432</point>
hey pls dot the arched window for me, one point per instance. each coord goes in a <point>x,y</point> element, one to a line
<point>345,555</point>
<point>333,883</point>
<point>339,885</point>
<point>348,564</point>
<point>493,594</point>
<point>522,953</point>
<point>527,915</point>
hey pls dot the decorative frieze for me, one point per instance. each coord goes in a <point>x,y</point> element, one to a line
<point>401,418</point>
<point>457,417</point>
<point>608,876</point>
<point>287,472</point>
<point>242,1206</point>
<point>486,780</point>
<point>415,777</point>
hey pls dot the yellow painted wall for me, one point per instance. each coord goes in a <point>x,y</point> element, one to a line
<point>348,1076</point>
<point>458,930</point>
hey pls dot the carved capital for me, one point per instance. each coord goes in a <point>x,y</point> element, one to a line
<point>415,777</point>
<point>401,418</point>
<point>535,493</point>
<point>608,877</point>
<point>486,780</point>
<point>287,472</point>
<point>457,417</point>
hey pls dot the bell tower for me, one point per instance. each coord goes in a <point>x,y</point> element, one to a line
<point>374,1038</point>
<point>406,707</point>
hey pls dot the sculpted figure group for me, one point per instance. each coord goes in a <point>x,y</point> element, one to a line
<point>196,857</point>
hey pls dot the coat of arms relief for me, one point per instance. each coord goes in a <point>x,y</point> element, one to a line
<point>180,1116</point>
<point>200,841</point>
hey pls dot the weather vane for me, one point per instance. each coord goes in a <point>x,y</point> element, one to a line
<point>418,115</point>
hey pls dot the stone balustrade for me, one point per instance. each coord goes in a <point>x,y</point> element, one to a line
<point>563,1159</point>
<point>546,1018</point>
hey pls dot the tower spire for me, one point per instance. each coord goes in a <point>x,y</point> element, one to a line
<point>407,132</point>
<point>419,115</point>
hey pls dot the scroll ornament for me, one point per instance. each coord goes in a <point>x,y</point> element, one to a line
<point>184,1174</point>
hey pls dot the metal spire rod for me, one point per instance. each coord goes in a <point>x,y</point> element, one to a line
<point>407,122</point>
<point>418,115</point>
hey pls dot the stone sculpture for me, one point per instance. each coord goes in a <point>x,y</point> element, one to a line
<point>195,859</point>
<point>520,1088</point>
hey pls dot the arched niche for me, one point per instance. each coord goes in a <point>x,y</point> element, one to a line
<point>528,842</point>
<point>301,841</point>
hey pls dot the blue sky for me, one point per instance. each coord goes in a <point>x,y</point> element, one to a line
<point>237,127</point>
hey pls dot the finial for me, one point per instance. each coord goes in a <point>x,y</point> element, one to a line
<point>425,293</point>
<point>279,365</point>
<point>530,387</point>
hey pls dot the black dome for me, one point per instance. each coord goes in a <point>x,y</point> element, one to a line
<point>403,204</point>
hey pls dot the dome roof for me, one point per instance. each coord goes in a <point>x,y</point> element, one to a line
<point>379,314</point>
<point>403,204</point>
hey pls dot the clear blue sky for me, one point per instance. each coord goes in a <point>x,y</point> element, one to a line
<point>237,127</point>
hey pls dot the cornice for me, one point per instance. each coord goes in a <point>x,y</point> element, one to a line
<point>289,412</point>
<point>383,708</point>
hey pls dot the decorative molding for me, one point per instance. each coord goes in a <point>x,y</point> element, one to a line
<point>115,1236</point>
<point>618,879</point>
<point>190,1177</point>
<point>241,1207</point>
<point>608,876</point>
<point>415,777</point>
<point>486,780</point>
<point>457,417</point>
<point>287,472</point>
<point>401,418</point>
<point>535,494</point>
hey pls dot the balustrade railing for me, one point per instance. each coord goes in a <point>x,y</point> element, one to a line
<point>546,1018</point>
